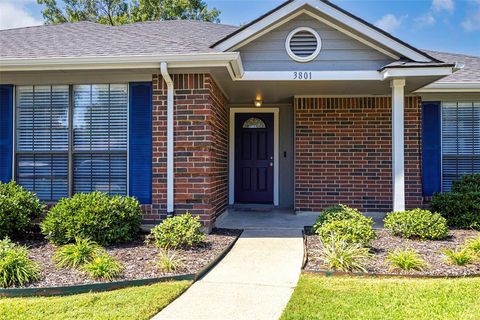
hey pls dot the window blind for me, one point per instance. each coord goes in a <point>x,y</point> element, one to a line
<point>460,141</point>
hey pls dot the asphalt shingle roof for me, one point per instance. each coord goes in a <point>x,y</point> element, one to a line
<point>88,39</point>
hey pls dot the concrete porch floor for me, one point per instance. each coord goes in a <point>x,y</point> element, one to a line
<point>275,219</point>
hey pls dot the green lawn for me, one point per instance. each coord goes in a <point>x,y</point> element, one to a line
<point>131,303</point>
<point>319,297</point>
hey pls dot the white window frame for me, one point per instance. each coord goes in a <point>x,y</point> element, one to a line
<point>292,55</point>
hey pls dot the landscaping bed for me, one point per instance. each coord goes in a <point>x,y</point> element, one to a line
<point>137,258</point>
<point>430,251</point>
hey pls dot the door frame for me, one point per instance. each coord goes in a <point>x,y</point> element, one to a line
<point>276,146</point>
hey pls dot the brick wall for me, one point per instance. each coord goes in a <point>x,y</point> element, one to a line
<point>201,148</point>
<point>343,153</point>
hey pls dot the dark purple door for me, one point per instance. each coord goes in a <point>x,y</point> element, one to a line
<point>254,158</point>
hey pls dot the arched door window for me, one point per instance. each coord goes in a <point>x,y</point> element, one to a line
<point>254,123</point>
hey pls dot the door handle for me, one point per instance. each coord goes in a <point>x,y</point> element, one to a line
<point>271,164</point>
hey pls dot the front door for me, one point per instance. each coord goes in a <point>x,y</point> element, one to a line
<point>254,157</point>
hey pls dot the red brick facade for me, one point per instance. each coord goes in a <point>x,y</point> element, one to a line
<point>343,153</point>
<point>201,148</point>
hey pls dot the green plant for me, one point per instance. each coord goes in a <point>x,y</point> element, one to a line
<point>97,216</point>
<point>341,255</point>
<point>417,223</point>
<point>474,246</point>
<point>18,208</point>
<point>76,254</point>
<point>168,261</point>
<point>337,212</point>
<point>350,230</point>
<point>406,260</point>
<point>103,266</point>
<point>178,231</point>
<point>459,257</point>
<point>16,269</point>
<point>462,210</point>
<point>468,183</point>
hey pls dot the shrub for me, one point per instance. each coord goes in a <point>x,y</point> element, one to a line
<point>76,254</point>
<point>104,267</point>
<point>337,212</point>
<point>468,183</point>
<point>18,208</point>
<point>168,261</point>
<point>178,231</point>
<point>406,260</point>
<point>340,255</point>
<point>97,216</point>
<point>417,223</point>
<point>458,257</point>
<point>350,230</point>
<point>473,245</point>
<point>16,269</point>
<point>462,210</point>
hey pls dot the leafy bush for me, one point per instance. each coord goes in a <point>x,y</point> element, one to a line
<point>76,254</point>
<point>97,216</point>
<point>468,183</point>
<point>462,210</point>
<point>417,223</point>
<point>341,255</point>
<point>337,212</point>
<point>168,261</point>
<point>18,207</point>
<point>16,269</point>
<point>473,245</point>
<point>178,231</point>
<point>406,260</point>
<point>350,230</point>
<point>104,267</point>
<point>459,257</point>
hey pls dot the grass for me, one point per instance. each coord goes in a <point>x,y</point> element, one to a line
<point>320,297</point>
<point>130,303</point>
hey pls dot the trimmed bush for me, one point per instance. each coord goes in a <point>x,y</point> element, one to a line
<point>340,255</point>
<point>103,267</point>
<point>337,212</point>
<point>406,260</point>
<point>18,208</point>
<point>468,183</point>
<point>16,269</point>
<point>462,210</point>
<point>417,223</point>
<point>357,230</point>
<point>76,254</point>
<point>96,216</point>
<point>178,231</point>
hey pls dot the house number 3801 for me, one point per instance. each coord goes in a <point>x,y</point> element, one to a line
<point>302,75</point>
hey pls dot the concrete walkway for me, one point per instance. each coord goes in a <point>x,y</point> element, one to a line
<point>254,281</point>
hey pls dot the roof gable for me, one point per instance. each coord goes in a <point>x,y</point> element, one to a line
<point>327,13</point>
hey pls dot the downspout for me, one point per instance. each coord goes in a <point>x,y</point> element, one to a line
<point>170,141</point>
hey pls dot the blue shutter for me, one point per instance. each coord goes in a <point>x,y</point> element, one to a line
<point>6,132</point>
<point>431,148</point>
<point>140,141</point>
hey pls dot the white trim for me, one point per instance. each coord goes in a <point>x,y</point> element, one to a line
<point>14,135</point>
<point>445,87</point>
<point>128,137</point>
<point>170,138</point>
<point>416,72</point>
<point>276,151</point>
<point>292,55</point>
<point>230,60</point>
<point>398,144</point>
<point>327,9</point>
<point>371,75</point>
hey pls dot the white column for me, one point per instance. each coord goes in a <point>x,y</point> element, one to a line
<point>398,153</point>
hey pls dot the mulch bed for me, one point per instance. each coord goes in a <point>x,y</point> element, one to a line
<point>137,257</point>
<point>385,242</point>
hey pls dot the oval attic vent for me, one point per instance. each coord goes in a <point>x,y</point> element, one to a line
<point>303,44</point>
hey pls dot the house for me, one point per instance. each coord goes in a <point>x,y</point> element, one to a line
<point>304,107</point>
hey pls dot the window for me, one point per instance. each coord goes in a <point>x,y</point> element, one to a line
<point>254,123</point>
<point>303,44</point>
<point>97,152</point>
<point>460,141</point>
